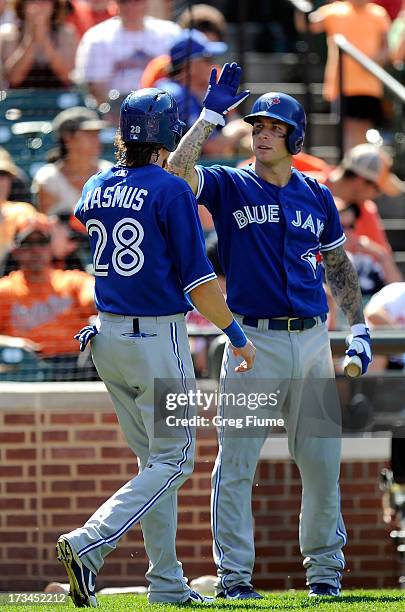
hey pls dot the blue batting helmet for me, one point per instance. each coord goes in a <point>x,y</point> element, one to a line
<point>285,108</point>
<point>151,116</point>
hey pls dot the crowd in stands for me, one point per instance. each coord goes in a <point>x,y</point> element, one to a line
<point>102,49</point>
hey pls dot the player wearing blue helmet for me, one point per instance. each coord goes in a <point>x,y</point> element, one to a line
<point>148,253</point>
<point>286,109</point>
<point>274,226</point>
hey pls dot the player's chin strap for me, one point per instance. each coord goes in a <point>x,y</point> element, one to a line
<point>359,345</point>
<point>85,335</point>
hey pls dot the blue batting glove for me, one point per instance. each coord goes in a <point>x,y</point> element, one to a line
<point>221,96</point>
<point>359,345</point>
<point>85,335</point>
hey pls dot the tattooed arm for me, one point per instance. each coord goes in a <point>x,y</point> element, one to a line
<point>344,283</point>
<point>182,161</point>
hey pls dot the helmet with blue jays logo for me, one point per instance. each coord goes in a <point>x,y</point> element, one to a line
<point>151,116</point>
<point>285,108</point>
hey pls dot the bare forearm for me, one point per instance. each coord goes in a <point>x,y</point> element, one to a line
<point>19,63</point>
<point>210,302</point>
<point>99,91</point>
<point>344,283</point>
<point>182,161</point>
<point>392,273</point>
<point>60,65</point>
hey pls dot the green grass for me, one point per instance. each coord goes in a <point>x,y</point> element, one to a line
<point>351,601</point>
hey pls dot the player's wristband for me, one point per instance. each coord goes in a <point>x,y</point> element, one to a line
<point>212,116</point>
<point>235,334</point>
<point>360,329</point>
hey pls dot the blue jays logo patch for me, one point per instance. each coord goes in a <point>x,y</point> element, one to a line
<point>272,101</point>
<point>313,258</point>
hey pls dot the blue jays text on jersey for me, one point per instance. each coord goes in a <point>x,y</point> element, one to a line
<point>142,224</point>
<point>270,239</point>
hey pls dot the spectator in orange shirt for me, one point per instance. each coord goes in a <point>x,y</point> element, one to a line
<point>87,13</point>
<point>365,25</point>
<point>374,265</point>
<point>43,305</point>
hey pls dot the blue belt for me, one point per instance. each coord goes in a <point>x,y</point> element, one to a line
<point>293,324</point>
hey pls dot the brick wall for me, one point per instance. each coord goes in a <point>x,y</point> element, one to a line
<point>57,466</point>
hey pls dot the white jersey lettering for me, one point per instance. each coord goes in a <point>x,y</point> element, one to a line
<point>257,214</point>
<point>309,222</point>
<point>298,221</point>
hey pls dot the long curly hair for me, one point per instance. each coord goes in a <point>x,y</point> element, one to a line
<point>135,154</point>
<point>58,14</point>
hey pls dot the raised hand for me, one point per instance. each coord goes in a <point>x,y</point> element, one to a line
<point>222,94</point>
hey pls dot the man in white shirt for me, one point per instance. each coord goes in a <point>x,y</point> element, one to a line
<point>113,54</point>
<point>386,309</point>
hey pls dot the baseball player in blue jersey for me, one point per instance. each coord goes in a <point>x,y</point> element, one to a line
<point>274,227</point>
<point>148,252</point>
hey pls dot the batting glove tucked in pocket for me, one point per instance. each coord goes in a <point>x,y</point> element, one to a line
<point>359,345</point>
<point>85,335</point>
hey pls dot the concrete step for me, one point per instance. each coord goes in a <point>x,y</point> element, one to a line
<point>297,90</point>
<point>324,130</point>
<point>328,153</point>
<point>396,239</point>
<point>391,208</point>
<point>395,229</point>
<point>278,67</point>
<point>399,257</point>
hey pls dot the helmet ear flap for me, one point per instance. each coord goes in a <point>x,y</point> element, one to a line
<point>295,144</point>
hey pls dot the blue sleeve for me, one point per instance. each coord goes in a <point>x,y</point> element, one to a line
<point>78,211</point>
<point>211,182</point>
<point>185,241</point>
<point>332,235</point>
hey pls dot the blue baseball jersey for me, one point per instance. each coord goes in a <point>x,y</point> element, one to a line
<point>146,241</point>
<point>270,239</point>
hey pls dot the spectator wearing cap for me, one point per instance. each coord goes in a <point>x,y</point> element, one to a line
<point>363,174</point>
<point>42,305</point>
<point>202,17</point>
<point>113,54</point>
<point>21,184</point>
<point>191,60</point>
<point>57,185</point>
<point>11,213</point>
<point>39,50</point>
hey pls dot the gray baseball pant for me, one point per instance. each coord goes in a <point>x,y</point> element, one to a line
<point>129,366</point>
<point>295,358</point>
